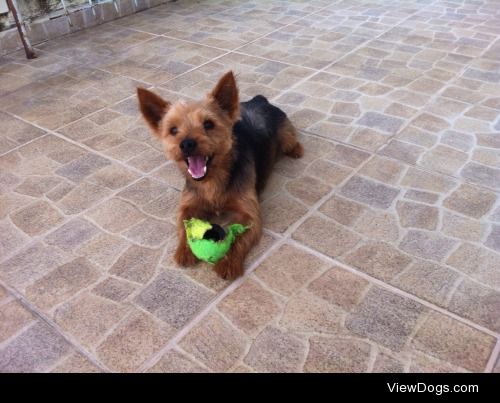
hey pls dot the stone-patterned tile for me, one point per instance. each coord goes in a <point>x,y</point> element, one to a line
<point>454,342</point>
<point>471,200</point>
<point>116,215</point>
<point>307,189</point>
<point>372,193</point>
<point>339,287</point>
<point>496,369</point>
<point>462,227</point>
<point>325,236</point>
<point>383,169</point>
<point>143,191</point>
<point>175,362</point>
<point>35,350</point>
<point>342,210</point>
<point>330,354</point>
<point>444,159</point>
<point>305,312</point>
<point>215,343</point>
<point>133,342</point>
<point>151,232</point>
<point>173,298</point>
<point>410,92</point>
<point>125,138</point>
<point>16,133</point>
<point>78,169</point>
<point>71,95</point>
<point>280,212</point>
<point>14,318</point>
<point>159,59</point>
<point>12,238</point>
<point>421,363</point>
<point>415,215</point>
<point>113,177</point>
<point>37,186</point>
<point>289,269</point>
<point>103,250</point>
<point>274,350</point>
<point>88,318</point>
<point>37,218</point>
<point>378,225</point>
<point>348,156</point>
<point>214,25</point>
<point>77,364</point>
<point>385,318</point>
<point>482,175</point>
<point>4,295</point>
<point>426,181</point>
<point>402,151</point>
<point>427,280</point>
<point>426,245</point>
<point>102,42</point>
<point>250,307</point>
<point>136,264</point>
<point>385,363</point>
<point>421,196</point>
<point>477,303</point>
<point>82,197</point>
<point>31,263</point>
<point>62,283</point>
<point>379,259</point>
<point>73,234</point>
<point>478,263</point>
<point>164,206</point>
<point>328,172</point>
<point>254,76</point>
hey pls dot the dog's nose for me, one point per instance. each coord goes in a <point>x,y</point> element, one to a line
<point>188,146</point>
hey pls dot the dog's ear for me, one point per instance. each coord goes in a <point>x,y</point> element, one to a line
<point>225,94</point>
<point>153,108</point>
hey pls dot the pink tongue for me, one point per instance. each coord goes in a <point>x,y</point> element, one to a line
<point>197,166</point>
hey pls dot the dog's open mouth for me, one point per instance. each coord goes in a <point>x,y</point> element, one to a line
<point>197,166</point>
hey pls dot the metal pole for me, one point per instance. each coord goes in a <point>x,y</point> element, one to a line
<point>30,54</point>
<point>67,13</point>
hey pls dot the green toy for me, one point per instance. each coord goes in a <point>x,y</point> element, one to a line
<point>209,242</point>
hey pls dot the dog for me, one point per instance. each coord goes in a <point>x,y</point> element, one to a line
<point>226,151</point>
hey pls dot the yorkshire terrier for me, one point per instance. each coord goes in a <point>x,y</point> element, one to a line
<point>226,150</point>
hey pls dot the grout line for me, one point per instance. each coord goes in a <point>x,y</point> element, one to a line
<point>495,354</point>
<point>21,330</point>
<point>393,289</point>
<point>374,353</point>
<point>69,339</point>
<point>201,315</point>
<point>67,218</point>
<point>354,50</point>
<point>282,238</point>
<point>85,147</point>
<point>206,310</point>
<point>24,144</point>
<point>235,50</point>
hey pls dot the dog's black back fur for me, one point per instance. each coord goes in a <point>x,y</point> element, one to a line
<point>256,141</point>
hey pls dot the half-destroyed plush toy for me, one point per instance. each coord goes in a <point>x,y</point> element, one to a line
<point>209,242</point>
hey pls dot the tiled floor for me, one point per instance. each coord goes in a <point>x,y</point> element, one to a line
<point>382,245</point>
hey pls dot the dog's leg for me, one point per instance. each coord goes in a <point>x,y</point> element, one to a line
<point>183,255</point>
<point>287,137</point>
<point>245,209</point>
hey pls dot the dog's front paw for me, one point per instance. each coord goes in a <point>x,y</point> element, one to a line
<point>229,269</point>
<point>184,257</point>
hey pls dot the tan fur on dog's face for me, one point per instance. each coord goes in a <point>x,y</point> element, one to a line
<point>190,121</point>
<point>208,122</point>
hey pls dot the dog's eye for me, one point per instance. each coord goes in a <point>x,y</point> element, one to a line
<point>173,130</point>
<point>208,124</point>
